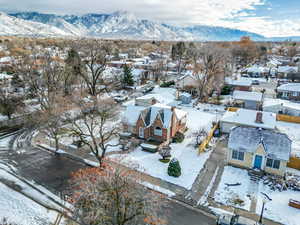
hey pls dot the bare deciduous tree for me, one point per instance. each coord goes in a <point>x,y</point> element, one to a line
<point>94,58</point>
<point>97,126</point>
<point>113,197</point>
<point>211,65</point>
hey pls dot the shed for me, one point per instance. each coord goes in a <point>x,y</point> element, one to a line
<point>186,98</point>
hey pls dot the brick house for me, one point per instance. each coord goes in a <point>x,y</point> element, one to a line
<point>157,122</point>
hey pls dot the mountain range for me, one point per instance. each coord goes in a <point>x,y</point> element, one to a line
<point>118,25</point>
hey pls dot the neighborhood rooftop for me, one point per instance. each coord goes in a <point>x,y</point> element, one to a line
<point>247,95</point>
<point>247,139</point>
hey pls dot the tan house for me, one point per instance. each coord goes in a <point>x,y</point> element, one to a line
<point>157,122</point>
<point>256,148</point>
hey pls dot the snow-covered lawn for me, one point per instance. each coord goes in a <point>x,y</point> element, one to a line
<point>21,210</point>
<point>230,195</point>
<point>293,132</point>
<point>191,163</point>
<point>277,209</point>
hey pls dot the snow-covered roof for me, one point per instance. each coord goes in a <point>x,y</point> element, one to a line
<point>247,117</point>
<point>185,94</point>
<point>240,82</point>
<point>5,76</point>
<point>131,114</point>
<point>5,59</point>
<point>271,102</point>
<point>287,69</point>
<point>290,87</point>
<point>257,69</point>
<point>248,139</point>
<point>247,95</point>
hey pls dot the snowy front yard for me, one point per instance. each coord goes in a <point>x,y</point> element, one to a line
<point>277,209</point>
<point>234,195</point>
<point>191,163</point>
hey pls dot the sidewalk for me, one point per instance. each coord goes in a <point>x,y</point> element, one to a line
<point>204,186</point>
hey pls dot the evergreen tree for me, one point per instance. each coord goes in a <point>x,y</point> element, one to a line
<point>127,76</point>
<point>174,168</point>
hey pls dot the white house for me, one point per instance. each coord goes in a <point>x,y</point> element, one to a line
<point>280,106</point>
<point>250,100</point>
<point>247,118</point>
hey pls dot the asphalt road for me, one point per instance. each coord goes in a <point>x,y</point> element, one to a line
<point>53,172</point>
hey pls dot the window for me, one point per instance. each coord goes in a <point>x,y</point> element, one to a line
<point>158,131</point>
<point>238,155</point>
<point>272,163</point>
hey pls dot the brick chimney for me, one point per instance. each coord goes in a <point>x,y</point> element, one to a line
<point>259,117</point>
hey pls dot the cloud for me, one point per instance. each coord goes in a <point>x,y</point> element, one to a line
<point>240,14</point>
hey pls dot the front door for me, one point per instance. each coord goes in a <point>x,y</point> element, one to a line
<point>258,162</point>
<point>141,132</point>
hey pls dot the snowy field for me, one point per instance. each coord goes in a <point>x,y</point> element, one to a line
<point>277,209</point>
<point>293,132</point>
<point>228,195</point>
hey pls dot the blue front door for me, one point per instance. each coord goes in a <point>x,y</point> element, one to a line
<point>257,162</point>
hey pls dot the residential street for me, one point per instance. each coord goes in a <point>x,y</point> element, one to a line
<point>53,173</point>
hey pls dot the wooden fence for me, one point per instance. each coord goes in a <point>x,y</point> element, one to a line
<point>205,142</point>
<point>287,118</point>
<point>294,163</point>
<point>232,109</point>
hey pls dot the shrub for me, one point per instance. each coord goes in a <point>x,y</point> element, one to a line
<point>178,138</point>
<point>167,84</point>
<point>226,90</point>
<point>174,168</point>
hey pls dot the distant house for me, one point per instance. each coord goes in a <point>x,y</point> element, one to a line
<point>290,91</point>
<point>188,83</point>
<point>284,71</point>
<point>158,122</point>
<point>257,71</point>
<point>249,100</point>
<point>239,85</point>
<point>280,106</point>
<point>247,118</point>
<point>255,148</point>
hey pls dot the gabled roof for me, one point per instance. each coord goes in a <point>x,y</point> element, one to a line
<point>248,139</point>
<point>247,117</point>
<point>289,87</point>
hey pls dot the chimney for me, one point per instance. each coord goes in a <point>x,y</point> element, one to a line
<point>259,117</point>
<point>172,108</point>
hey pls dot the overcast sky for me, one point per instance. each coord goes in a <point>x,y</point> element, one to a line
<point>267,17</point>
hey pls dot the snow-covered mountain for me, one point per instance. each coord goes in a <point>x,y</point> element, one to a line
<point>116,25</point>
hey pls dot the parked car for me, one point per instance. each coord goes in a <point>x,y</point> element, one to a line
<point>148,89</point>
<point>120,98</point>
<point>255,82</point>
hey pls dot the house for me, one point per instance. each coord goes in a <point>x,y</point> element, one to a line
<point>188,83</point>
<point>280,106</point>
<point>146,101</point>
<point>283,71</point>
<point>249,100</point>
<point>157,123</point>
<point>289,91</point>
<point>247,118</point>
<point>239,85</point>
<point>257,71</point>
<point>255,148</point>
